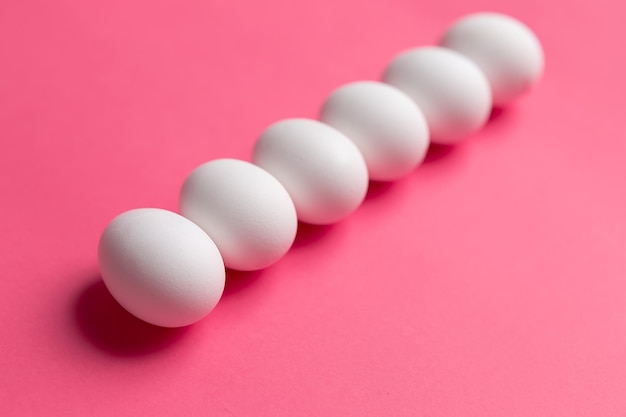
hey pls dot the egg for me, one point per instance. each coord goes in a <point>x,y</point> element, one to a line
<point>161,267</point>
<point>505,49</point>
<point>383,122</point>
<point>322,170</point>
<point>246,211</point>
<point>452,92</point>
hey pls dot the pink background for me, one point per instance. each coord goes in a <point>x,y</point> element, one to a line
<point>490,282</point>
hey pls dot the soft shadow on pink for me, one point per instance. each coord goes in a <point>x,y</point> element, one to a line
<point>310,234</point>
<point>110,328</point>
<point>377,189</point>
<point>501,121</point>
<point>238,281</point>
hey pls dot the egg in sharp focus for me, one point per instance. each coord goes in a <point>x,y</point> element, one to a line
<point>161,267</point>
<point>244,209</point>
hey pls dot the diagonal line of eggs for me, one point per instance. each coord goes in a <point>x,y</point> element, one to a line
<point>168,270</point>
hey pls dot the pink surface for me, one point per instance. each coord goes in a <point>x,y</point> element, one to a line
<point>491,282</point>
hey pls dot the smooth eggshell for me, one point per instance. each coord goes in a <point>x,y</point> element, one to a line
<point>504,48</point>
<point>451,90</point>
<point>383,122</point>
<point>246,211</point>
<point>322,170</point>
<point>161,267</point>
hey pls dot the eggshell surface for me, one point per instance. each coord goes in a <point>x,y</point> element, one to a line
<point>452,92</point>
<point>323,171</point>
<point>505,49</point>
<point>161,267</point>
<point>383,122</point>
<point>244,209</point>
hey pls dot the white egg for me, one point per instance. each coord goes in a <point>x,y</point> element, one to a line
<point>246,211</point>
<point>383,122</point>
<point>322,170</point>
<point>161,267</point>
<point>451,90</point>
<point>506,50</point>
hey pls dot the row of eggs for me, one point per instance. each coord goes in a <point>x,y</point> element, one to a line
<point>169,270</point>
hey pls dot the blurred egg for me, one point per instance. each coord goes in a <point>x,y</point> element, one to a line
<point>505,49</point>
<point>322,170</point>
<point>161,267</point>
<point>383,122</point>
<point>246,211</point>
<point>451,90</point>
